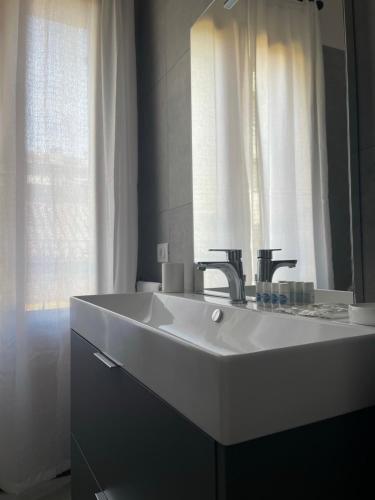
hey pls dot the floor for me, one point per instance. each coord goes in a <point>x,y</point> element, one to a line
<point>58,489</point>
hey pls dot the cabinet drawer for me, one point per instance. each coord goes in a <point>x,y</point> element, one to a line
<point>84,485</point>
<point>137,446</point>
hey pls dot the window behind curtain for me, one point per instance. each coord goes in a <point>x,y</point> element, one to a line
<point>58,230</point>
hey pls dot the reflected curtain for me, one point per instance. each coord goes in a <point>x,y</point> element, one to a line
<point>68,207</point>
<point>260,137</point>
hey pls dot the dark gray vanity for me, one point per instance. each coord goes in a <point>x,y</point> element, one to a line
<point>127,443</point>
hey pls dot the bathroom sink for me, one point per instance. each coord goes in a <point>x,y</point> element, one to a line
<point>251,374</point>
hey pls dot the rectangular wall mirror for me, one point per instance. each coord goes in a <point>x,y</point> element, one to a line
<point>270,138</point>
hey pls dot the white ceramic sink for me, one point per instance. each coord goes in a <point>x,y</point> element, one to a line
<point>254,373</point>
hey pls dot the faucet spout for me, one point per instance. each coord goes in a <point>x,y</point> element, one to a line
<point>233,272</point>
<point>267,266</point>
<point>276,264</point>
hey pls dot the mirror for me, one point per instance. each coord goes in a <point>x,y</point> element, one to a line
<point>269,138</point>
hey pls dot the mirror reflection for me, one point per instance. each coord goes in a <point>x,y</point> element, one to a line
<point>270,147</point>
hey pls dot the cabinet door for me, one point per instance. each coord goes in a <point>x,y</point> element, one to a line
<point>137,446</point>
<point>84,485</point>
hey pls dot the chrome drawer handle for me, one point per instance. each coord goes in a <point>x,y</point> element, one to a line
<point>109,364</point>
<point>100,496</point>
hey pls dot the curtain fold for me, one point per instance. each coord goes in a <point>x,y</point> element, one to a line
<point>68,207</point>
<point>115,139</point>
<point>259,141</point>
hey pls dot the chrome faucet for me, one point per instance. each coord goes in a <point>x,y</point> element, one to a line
<point>232,268</point>
<point>267,266</point>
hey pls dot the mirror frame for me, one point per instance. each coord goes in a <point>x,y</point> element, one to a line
<point>356,229</point>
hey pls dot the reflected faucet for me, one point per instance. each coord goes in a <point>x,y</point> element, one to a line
<point>267,266</point>
<point>232,268</point>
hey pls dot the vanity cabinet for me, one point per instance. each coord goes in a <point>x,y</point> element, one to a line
<point>128,441</point>
<point>84,483</point>
<point>129,444</point>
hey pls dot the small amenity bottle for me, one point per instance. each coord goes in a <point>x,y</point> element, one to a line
<point>275,299</point>
<point>284,294</point>
<point>308,293</point>
<point>298,293</point>
<point>266,295</point>
<point>292,291</point>
<point>259,288</point>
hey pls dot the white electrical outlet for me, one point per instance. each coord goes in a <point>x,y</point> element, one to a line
<point>162,252</point>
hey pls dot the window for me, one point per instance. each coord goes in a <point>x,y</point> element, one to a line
<point>58,231</point>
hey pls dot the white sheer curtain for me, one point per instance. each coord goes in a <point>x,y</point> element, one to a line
<point>68,206</point>
<point>259,143</point>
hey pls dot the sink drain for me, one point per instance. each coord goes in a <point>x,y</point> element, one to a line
<point>217,315</point>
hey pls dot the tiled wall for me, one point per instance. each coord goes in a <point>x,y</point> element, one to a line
<point>165,183</point>
<point>364,15</point>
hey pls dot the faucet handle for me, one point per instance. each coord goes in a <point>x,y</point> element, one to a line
<point>232,253</point>
<point>266,253</point>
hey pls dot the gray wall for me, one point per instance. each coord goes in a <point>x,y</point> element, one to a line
<point>364,17</point>
<point>338,178</point>
<point>165,182</point>
<point>332,26</point>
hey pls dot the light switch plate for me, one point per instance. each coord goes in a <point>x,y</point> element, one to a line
<point>162,252</point>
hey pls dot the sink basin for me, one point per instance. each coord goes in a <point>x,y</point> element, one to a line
<point>251,374</point>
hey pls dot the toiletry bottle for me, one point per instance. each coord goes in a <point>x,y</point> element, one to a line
<point>308,293</point>
<point>266,296</point>
<point>292,290</point>
<point>298,296</point>
<point>292,287</point>
<point>284,294</point>
<point>275,295</point>
<point>259,287</point>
